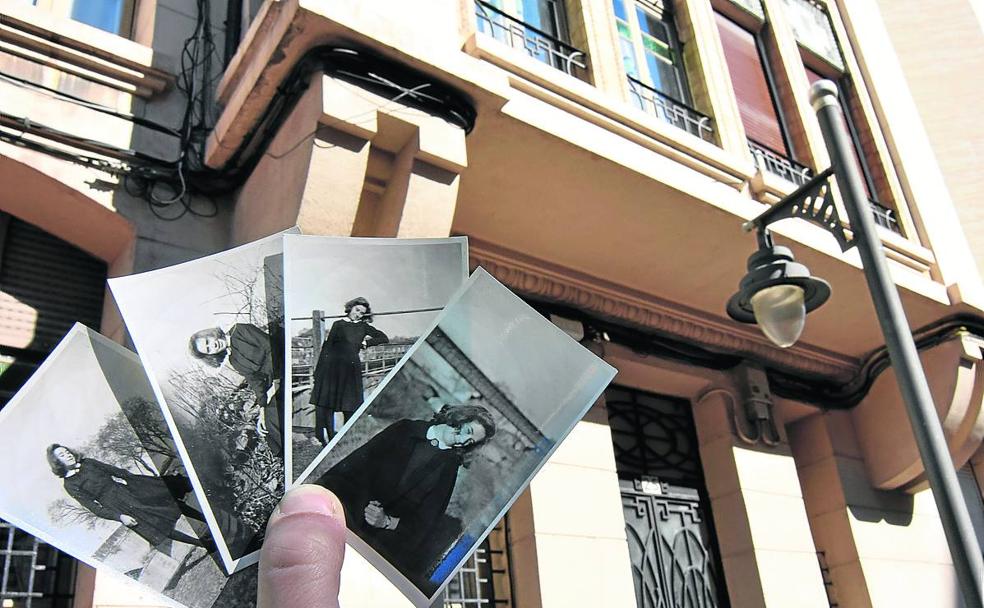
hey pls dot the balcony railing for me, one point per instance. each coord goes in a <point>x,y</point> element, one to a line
<point>769,160</point>
<point>885,217</point>
<point>777,164</point>
<point>670,110</point>
<point>537,44</point>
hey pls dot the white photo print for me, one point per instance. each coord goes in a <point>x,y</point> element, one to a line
<point>442,449</point>
<point>210,335</point>
<point>91,469</point>
<point>354,307</point>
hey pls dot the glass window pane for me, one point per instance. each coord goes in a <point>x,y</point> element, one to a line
<point>628,56</point>
<point>103,14</point>
<point>652,25</point>
<point>620,11</point>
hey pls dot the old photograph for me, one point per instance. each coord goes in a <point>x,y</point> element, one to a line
<point>455,432</point>
<point>354,307</point>
<point>210,335</point>
<point>92,470</point>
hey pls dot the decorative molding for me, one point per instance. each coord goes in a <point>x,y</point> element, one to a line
<point>633,308</point>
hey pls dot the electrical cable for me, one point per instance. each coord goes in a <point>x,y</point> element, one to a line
<point>143,122</point>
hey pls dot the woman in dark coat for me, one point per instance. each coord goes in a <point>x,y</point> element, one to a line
<point>338,373</point>
<point>397,486</point>
<point>144,503</point>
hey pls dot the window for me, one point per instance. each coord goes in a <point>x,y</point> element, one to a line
<point>653,60</point>
<point>822,58</point>
<point>755,91</point>
<point>483,580</point>
<point>650,48</point>
<point>113,16</point>
<point>538,27</point>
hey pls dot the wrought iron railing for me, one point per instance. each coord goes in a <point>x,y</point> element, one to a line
<point>670,110</point>
<point>885,217</point>
<point>537,43</point>
<point>769,160</point>
<point>33,573</point>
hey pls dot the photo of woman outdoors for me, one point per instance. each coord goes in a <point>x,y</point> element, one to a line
<point>353,308</point>
<point>214,351</point>
<point>397,486</point>
<point>147,504</point>
<point>445,444</point>
<point>92,469</point>
<point>337,390</point>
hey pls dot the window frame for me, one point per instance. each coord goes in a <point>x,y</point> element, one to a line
<point>637,43</point>
<point>62,9</point>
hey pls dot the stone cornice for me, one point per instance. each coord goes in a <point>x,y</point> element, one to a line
<point>631,307</point>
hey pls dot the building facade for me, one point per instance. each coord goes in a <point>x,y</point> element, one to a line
<point>601,156</point>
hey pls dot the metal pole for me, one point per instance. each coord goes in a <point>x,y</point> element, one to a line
<point>960,537</point>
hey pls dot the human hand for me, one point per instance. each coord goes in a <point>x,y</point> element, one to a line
<point>301,558</point>
<point>261,429</point>
<point>128,521</point>
<point>377,517</point>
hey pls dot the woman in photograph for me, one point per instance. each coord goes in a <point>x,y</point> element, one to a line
<point>396,487</point>
<point>147,504</point>
<point>257,356</point>
<point>338,373</point>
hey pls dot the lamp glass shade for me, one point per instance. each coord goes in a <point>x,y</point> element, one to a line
<point>780,312</point>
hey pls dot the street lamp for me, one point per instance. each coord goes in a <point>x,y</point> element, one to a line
<point>777,293</point>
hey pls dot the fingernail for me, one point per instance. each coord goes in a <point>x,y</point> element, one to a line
<point>310,499</point>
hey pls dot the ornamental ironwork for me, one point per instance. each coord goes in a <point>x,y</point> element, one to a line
<point>664,501</point>
<point>772,162</point>
<point>672,566</point>
<point>32,573</point>
<point>669,110</point>
<point>536,43</point>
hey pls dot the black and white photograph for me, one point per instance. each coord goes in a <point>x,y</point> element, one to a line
<point>354,307</point>
<point>210,335</point>
<point>91,469</point>
<point>451,437</point>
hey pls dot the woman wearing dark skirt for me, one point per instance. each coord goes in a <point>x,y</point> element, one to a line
<point>397,486</point>
<point>338,373</point>
<point>146,504</point>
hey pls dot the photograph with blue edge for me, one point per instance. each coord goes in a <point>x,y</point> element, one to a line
<point>428,466</point>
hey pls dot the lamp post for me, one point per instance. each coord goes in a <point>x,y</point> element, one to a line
<point>777,293</point>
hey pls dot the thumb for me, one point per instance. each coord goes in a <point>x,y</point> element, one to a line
<point>301,559</point>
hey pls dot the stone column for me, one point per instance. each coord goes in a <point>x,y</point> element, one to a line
<point>883,548</point>
<point>568,541</point>
<point>766,548</point>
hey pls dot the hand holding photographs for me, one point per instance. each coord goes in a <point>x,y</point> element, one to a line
<point>453,394</point>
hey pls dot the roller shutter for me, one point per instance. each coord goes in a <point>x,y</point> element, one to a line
<point>46,285</point>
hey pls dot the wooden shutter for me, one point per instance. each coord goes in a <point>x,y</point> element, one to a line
<point>46,285</point>
<point>748,77</point>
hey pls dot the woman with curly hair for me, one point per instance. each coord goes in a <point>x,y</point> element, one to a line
<point>147,504</point>
<point>397,486</point>
<point>338,373</point>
